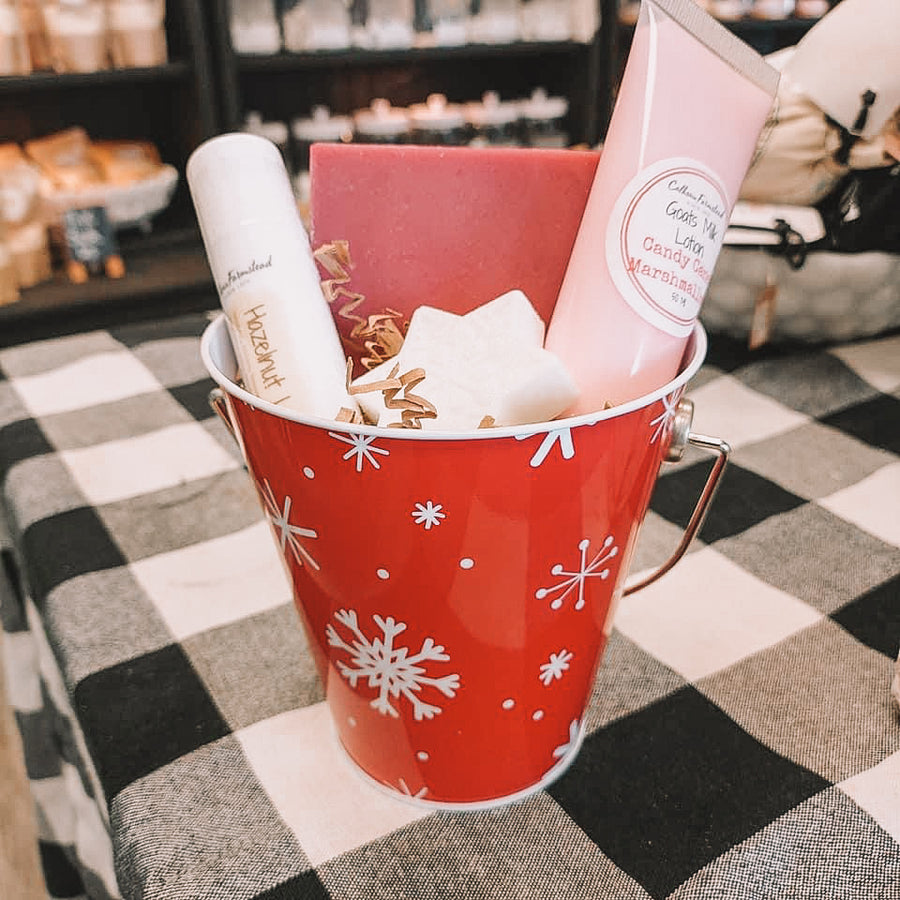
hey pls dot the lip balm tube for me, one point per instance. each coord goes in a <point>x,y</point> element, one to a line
<point>284,337</point>
<point>692,103</point>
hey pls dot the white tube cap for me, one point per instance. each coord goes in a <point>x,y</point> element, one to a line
<point>235,179</point>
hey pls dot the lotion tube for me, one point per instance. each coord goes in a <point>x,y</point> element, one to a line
<point>692,102</point>
<point>284,337</point>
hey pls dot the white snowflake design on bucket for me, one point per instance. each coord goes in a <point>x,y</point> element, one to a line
<point>663,422</point>
<point>561,436</point>
<point>428,514</point>
<point>556,666</point>
<point>574,581</point>
<point>570,745</point>
<point>404,789</point>
<point>288,535</point>
<point>362,448</point>
<point>392,670</point>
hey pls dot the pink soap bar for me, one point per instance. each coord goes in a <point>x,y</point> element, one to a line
<point>450,227</point>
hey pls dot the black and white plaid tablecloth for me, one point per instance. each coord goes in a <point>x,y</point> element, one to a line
<point>742,741</point>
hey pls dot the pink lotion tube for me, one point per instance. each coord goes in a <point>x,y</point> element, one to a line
<point>690,109</point>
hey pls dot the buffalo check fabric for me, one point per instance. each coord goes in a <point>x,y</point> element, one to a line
<point>742,741</point>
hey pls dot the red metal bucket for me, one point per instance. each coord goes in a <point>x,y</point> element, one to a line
<point>456,590</point>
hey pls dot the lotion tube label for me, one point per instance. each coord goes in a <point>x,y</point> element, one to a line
<point>287,349</point>
<point>253,326</point>
<point>690,107</point>
<point>663,238</point>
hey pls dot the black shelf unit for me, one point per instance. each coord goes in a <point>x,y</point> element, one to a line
<point>287,85</point>
<point>769,35</point>
<point>167,274</point>
<point>764,35</point>
<point>51,81</point>
<point>206,88</point>
<point>174,106</point>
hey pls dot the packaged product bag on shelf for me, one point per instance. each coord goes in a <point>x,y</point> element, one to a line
<point>254,27</point>
<point>32,15</point>
<point>14,56</point>
<point>584,19</point>
<point>126,178</point>
<point>22,214</point>
<point>389,25</point>
<point>496,22</point>
<point>125,162</point>
<point>546,20</point>
<point>9,290</point>
<point>30,248</point>
<point>449,21</point>
<point>77,32</point>
<point>137,33</point>
<point>315,25</point>
<point>65,159</point>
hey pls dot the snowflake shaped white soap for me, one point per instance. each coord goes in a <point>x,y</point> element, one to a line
<point>391,669</point>
<point>489,362</point>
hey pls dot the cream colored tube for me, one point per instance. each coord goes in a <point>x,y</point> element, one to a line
<point>692,102</point>
<point>284,336</point>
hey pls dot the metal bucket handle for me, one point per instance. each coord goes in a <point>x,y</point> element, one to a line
<point>220,408</point>
<point>681,437</point>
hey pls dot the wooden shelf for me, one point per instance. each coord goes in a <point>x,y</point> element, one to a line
<point>164,273</point>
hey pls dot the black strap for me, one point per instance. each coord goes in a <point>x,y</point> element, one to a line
<point>792,245</point>
<point>851,136</point>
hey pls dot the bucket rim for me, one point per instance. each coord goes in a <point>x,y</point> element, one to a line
<point>217,330</point>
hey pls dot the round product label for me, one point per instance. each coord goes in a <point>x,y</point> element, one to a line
<point>663,239</point>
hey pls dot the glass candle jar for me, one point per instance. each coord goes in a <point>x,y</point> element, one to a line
<point>493,122</point>
<point>381,123</point>
<point>437,122</point>
<point>543,119</point>
<point>320,126</point>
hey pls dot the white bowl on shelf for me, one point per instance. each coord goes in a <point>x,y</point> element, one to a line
<point>128,205</point>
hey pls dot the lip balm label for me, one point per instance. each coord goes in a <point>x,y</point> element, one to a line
<point>663,239</point>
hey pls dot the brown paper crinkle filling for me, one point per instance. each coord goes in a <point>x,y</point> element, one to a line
<point>379,336</point>
<point>398,394</point>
